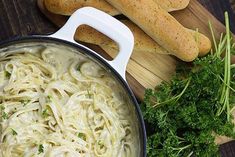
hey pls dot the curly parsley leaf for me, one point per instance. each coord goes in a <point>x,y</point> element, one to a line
<point>185,115</point>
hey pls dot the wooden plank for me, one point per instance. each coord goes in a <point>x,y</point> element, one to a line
<point>21,18</point>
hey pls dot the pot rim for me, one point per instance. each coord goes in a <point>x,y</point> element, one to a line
<point>87,51</point>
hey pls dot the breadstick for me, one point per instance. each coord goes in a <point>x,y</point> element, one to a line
<point>143,43</point>
<point>160,26</point>
<point>67,7</point>
<point>172,5</point>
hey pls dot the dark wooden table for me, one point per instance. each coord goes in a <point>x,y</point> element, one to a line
<point>22,17</point>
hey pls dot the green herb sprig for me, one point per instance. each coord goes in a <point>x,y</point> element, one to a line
<point>184,116</point>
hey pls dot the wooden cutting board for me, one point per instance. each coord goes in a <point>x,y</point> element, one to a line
<point>146,70</point>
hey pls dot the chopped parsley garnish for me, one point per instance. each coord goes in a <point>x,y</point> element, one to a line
<point>4,115</point>
<point>101,143</point>
<point>2,108</point>
<point>79,68</point>
<point>45,113</point>
<point>48,98</point>
<point>7,74</point>
<point>40,149</point>
<point>14,132</point>
<point>82,136</point>
<point>25,102</point>
<point>89,94</point>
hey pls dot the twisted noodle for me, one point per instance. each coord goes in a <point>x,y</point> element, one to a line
<point>56,103</point>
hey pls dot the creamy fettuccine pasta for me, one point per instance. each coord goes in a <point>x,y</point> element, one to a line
<point>54,102</point>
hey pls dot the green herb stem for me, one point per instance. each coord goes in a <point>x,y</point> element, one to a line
<point>224,99</point>
<point>221,46</point>
<point>213,36</point>
<point>190,154</point>
<point>175,98</point>
<point>181,149</point>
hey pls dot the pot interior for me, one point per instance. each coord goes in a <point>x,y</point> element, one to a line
<point>109,115</point>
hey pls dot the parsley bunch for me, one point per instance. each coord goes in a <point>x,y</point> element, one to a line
<point>185,115</point>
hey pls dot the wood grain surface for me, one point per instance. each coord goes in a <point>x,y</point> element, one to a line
<point>22,17</point>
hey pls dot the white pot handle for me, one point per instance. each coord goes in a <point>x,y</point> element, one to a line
<point>107,25</point>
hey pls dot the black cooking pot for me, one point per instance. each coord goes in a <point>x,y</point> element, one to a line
<point>117,67</point>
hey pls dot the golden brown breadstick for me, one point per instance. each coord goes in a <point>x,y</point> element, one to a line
<point>143,42</point>
<point>67,7</point>
<point>146,44</point>
<point>160,26</point>
<point>173,5</point>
